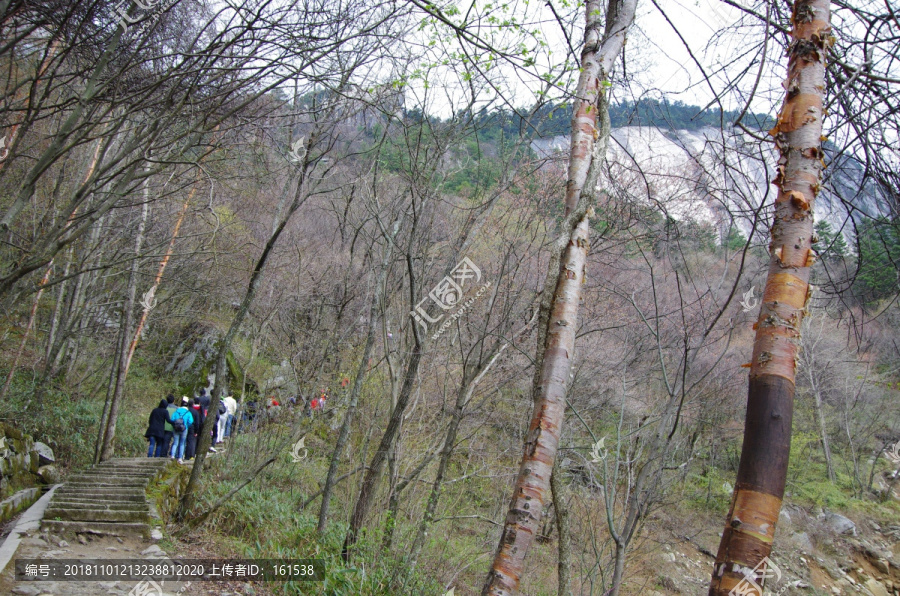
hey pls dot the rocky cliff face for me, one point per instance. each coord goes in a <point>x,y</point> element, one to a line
<point>708,176</point>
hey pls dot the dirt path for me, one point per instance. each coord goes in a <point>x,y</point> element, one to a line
<point>45,546</point>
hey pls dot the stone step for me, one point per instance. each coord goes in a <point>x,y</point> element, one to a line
<point>111,505</point>
<point>101,495</point>
<point>83,484</point>
<point>108,498</point>
<point>114,473</point>
<point>106,481</point>
<point>130,468</point>
<point>96,515</point>
<point>101,528</point>
<point>139,461</point>
<point>156,464</point>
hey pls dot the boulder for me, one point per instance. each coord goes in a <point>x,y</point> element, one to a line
<point>153,551</point>
<point>45,453</point>
<point>49,474</point>
<point>784,517</point>
<point>877,588</point>
<point>840,524</point>
<point>803,542</point>
<point>882,565</point>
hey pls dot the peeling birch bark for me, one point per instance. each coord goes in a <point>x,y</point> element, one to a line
<point>558,317</point>
<point>531,491</point>
<point>756,502</point>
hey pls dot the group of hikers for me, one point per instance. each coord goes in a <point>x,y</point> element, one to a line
<point>174,430</point>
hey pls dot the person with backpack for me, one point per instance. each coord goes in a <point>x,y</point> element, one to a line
<point>181,421</point>
<point>168,432</point>
<point>159,418</point>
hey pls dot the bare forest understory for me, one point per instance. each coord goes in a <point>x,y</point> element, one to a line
<point>500,314</point>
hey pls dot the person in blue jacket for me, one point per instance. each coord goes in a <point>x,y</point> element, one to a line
<point>183,416</point>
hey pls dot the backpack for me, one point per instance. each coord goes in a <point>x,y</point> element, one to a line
<point>178,424</point>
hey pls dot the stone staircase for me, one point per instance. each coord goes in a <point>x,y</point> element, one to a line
<point>109,498</point>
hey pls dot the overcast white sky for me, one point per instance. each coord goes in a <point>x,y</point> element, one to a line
<point>657,60</point>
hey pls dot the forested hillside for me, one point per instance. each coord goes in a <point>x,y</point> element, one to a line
<point>474,343</point>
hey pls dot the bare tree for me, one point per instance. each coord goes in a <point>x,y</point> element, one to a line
<point>751,521</point>
<point>558,318</point>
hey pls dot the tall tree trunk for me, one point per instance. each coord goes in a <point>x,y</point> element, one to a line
<point>57,310</point>
<point>533,482</point>
<point>75,321</point>
<point>563,547</point>
<point>619,568</point>
<point>344,435</point>
<point>149,298</point>
<point>56,339</point>
<point>353,399</point>
<point>464,395</point>
<point>558,317</point>
<point>750,525</point>
<point>109,431</point>
<point>373,474</point>
<point>46,278</point>
<point>370,482</point>
<point>823,427</point>
<point>27,332</point>
<point>203,444</point>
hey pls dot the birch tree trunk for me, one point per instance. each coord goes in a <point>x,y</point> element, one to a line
<point>750,526</point>
<point>558,320</point>
<point>108,430</point>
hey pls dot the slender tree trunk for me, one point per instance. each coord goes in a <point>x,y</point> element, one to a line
<point>31,317</point>
<point>205,438</point>
<point>61,318</point>
<point>823,428</point>
<point>393,503</point>
<point>57,310</point>
<point>110,389</point>
<point>619,569</point>
<point>353,399</point>
<point>370,482</point>
<point>558,319</point>
<point>75,321</point>
<point>462,400</point>
<point>149,298</point>
<point>109,432</point>
<point>750,526</point>
<point>563,547</point>
<point>437,484</point>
